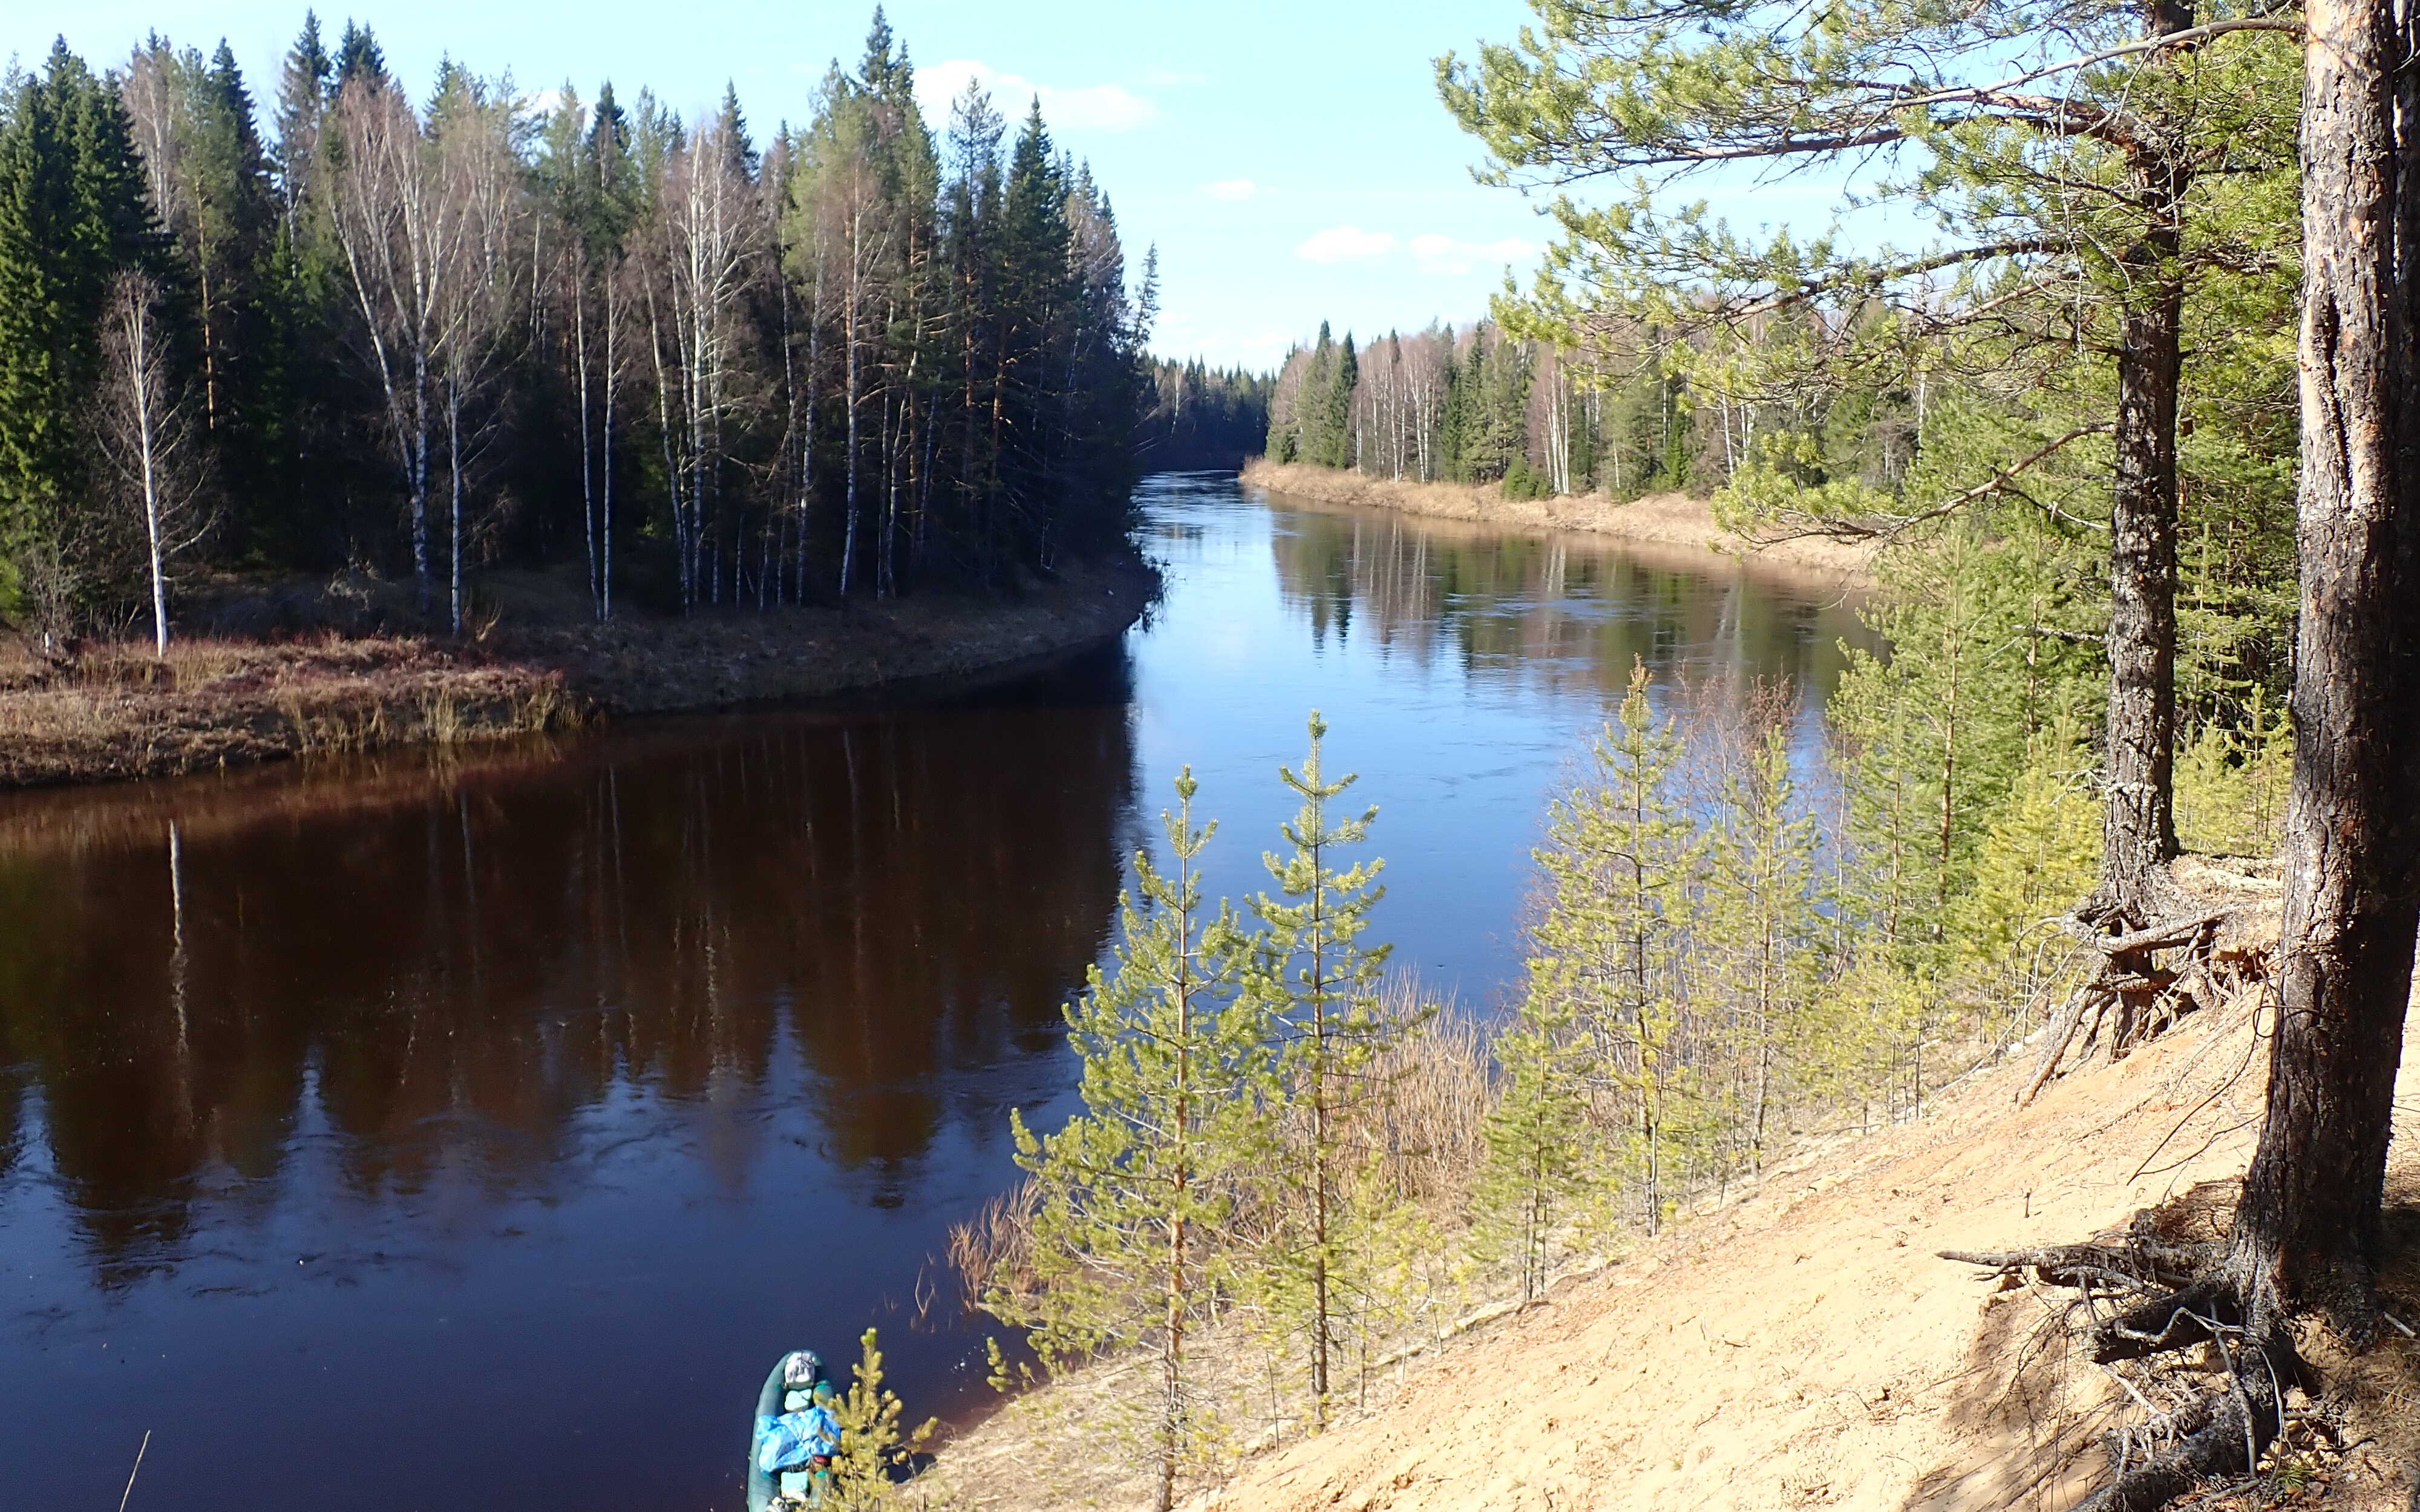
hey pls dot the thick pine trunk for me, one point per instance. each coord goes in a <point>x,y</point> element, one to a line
<point>2138,827</point>
<point>2307,1234</point>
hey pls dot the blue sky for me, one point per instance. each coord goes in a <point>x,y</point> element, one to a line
<point>1291,160</point>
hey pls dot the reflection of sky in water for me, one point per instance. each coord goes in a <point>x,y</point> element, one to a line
<point>519,1109</point>
<point>1459,671</point>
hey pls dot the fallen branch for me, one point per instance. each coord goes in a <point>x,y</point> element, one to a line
<point>2141,1264</point>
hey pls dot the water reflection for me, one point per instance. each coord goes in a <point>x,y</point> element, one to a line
<point>1566,611</point>
<point>436,992</point>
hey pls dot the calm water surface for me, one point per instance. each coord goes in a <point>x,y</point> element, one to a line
<point>410,1135</point>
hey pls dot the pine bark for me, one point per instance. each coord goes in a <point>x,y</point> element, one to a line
<point>2308,1232</point>
<point>2138,827</point>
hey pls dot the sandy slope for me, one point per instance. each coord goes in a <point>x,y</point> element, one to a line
<point>1668,520</point>
<point>1805,1348</point>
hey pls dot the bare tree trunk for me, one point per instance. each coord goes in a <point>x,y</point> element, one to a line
<point>849,341</point>
<point>605,506</point>
<point>417,464</point>
<point>587,474</point>
<point>2308,1230</point>
<point>807,445</point>
<point>453,507</point>
<point>664,430</point>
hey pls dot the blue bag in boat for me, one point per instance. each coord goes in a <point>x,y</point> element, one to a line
<point>795,1440</point>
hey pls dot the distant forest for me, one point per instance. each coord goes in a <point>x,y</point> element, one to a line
<point>700,364</point>
<point>1206,418</point>
<point>1473,405</point>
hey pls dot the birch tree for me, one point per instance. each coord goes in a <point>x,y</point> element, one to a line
<point>399,237</point>
<point>473,127</point>
<point>146,431</point>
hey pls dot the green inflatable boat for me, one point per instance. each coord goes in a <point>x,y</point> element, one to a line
<point>786,1411</point>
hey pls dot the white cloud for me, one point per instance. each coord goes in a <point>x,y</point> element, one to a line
<point>1444,255</point>
<point>1345,243</point>
<point>1231,189</point>
<point>1101,107</point>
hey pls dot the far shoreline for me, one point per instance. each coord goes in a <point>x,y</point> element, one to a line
<point>1671,520</point>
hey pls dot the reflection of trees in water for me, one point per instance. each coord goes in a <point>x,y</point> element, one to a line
<point>461,972</point>
<point>1550,607</point>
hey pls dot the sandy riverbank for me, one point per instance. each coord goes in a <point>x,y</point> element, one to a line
<point>1799,1342</point>
<point>115,713</point>
<point>1668,520</point>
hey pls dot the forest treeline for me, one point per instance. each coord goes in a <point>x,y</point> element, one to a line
<point>855,354</point>
<point>1472,404</point>
<point>1205,418</point>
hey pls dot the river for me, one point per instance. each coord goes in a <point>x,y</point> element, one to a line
<point>425,1133</point>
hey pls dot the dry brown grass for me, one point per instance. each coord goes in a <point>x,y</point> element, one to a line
<point>115,711</point>
<point>1669,521</point>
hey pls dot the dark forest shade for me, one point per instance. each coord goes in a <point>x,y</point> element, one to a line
<point>1203,418</point>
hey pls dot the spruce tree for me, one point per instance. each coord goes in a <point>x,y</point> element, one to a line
<point>73,215</point>
<point>358,56</point>
<point>303,88</point>
<point>1342,377</point>
<point>1313,409</point>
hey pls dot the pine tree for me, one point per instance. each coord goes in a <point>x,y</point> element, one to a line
<point>873,1450</point>
<point>1761,927</point>
<point>1545,1156</point>
<point>1619,862</point>
<point>1332,1031</point>
<point>1136,1192</point>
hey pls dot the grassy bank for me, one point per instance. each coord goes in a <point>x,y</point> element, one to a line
<point>112,712</point>
<point>1668,520</point>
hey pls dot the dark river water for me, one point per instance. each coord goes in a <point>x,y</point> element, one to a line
<point>412,1135</point>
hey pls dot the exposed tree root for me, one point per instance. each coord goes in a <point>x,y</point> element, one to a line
<point>2136,997</point>
<point>2176,1297</point>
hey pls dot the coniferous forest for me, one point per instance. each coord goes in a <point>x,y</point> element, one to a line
<point>1203,417</point>
<point>348,319</point>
